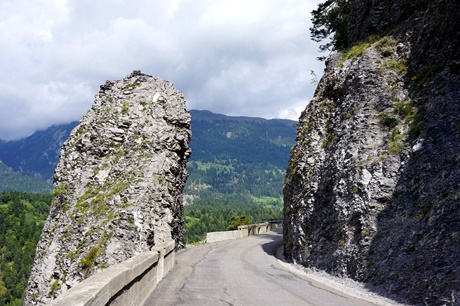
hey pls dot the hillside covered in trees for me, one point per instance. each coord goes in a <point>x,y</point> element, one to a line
<point>17,181</point>
<point>22,216</point>
<point>237,167</point>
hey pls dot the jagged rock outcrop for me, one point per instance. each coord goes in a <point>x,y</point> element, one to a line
<point>118,184</point>
<point>372,190</point>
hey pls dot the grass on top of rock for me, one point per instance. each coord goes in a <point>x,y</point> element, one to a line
<point>385,45</point>
<point>398,66</point>
<point>88,261</point>
<point>355,51</point>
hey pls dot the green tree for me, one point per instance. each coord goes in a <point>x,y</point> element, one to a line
<point>236,221</point>
<point>330,21</point>
<point>3,289</point>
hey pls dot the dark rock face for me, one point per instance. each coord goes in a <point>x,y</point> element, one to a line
<point>118,184</point>
<point>372,190</point>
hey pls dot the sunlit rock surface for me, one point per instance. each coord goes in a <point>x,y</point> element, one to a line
<point>118,184</point>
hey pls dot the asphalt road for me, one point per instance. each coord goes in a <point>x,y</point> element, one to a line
<point>242,272</point>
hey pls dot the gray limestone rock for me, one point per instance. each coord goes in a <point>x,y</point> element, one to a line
<point>118,184</point>
<point>372,190</point>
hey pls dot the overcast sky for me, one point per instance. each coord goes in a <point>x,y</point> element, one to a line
<point>235,57</point>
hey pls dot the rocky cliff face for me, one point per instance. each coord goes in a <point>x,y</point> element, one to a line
<point>118,184</point>
<point>372,189</point>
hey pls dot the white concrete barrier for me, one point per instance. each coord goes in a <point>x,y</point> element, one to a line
<point>243,231</point>
<point>221,236</point>
<point>128,283</point>
<point>132,281</point>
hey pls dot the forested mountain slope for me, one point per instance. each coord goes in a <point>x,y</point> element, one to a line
<point>220,138</point>
<point>11,180</point>
<point>237,167</point>
<point>22,216</point>
<point>37,154</point>
<point>229,154</point>
<point>238,155</point>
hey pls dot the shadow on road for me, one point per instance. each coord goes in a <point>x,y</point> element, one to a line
<point>276,238</point>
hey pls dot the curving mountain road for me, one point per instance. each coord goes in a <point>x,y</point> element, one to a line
<point>241,272</point>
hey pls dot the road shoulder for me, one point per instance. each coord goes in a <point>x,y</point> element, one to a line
<point>344,285</point>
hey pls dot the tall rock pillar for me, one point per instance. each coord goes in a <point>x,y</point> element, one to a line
<point>118,184</point>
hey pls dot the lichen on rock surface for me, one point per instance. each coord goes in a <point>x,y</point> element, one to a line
<point>372,187</point>
<point>118,184</point>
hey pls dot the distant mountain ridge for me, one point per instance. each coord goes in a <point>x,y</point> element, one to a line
<point>17,181</point>
<point>242,158</point>
<point>218,142</point>
<point>247,139</point>
<point>37,154</point>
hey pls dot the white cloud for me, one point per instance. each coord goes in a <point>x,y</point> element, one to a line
<point>237,57</point>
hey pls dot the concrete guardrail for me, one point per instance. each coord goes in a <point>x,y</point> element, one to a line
<point>127,283</point>
<point>243,231</point>
<point>132,281</point>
